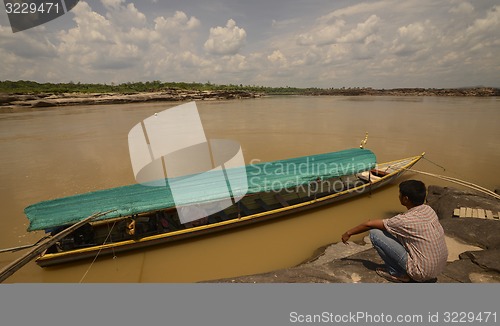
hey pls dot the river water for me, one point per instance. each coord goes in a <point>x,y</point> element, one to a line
<point>55,152</point>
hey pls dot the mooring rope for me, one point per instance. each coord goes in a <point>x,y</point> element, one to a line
<point>460,182</point>
<point>98,252</point>
<point>438,165</point>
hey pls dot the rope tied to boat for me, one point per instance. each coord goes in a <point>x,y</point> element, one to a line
<point>98,252</point>
<point>460,182</point>
<point>432,162</point>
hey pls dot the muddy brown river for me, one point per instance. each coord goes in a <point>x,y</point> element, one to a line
<point>56,152</point>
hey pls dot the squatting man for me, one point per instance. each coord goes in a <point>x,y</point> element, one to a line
<point>411,244</point>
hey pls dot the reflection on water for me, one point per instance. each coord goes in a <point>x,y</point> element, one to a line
<point>57,152</point>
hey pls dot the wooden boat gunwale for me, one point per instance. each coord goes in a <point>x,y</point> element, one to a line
<point>47,259</point>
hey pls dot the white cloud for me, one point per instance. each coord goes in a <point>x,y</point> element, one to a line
<point>126,16</point>
<point>462,8</point>
<point>110,42</point>
<point>378,44</point>
<point>178,22</point>
<point>93,42</point>
<point>487,25</point>
<point>113,4</point>
<point>226,40</point>
<point>323,34</point>
<point>331,31</point>
<point>357,9</point>
<point>362,31</point>
<point>277,58</point>
<point>480,37</point>
<point>30,46</point>
<point>411,39</point>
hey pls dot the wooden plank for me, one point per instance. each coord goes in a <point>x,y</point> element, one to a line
<point>222,215</point>
<point>475,213</point>
<point>462,211</point>
<point>262,204</point>
<point>456,212</point>
<point>468,212</point>
<point>41,247</point>
<point>481,213</point>
<point>282,200</point>
<point>213,219</point>
<point>14,249</point>
<point>489,215</point>
<point>243,208</point>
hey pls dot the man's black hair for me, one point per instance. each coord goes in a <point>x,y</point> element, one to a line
<point>415,190</point>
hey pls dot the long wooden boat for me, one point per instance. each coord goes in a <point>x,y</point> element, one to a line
<point>141,225</point>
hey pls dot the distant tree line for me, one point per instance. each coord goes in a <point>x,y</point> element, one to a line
<point>31,87</point>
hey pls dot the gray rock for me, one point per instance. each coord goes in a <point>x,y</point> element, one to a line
<point>4,100</point>
<point>42,104</point>
<point>171,95</point>
<point>474,231</point>
<point>444,200</point>
<point>459,271</point>
<point>487,259</point>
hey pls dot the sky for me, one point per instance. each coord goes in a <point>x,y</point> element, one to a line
<point>277,43</point>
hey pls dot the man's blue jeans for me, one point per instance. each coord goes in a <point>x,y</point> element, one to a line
<point>391,250</point>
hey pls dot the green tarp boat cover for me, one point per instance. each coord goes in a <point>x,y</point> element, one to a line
<point>204,187</point>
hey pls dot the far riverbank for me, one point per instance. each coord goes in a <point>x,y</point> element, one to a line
<point>42,100</point>
<point>19,95</point>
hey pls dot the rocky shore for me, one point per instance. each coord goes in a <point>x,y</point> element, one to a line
<point>473,244</point>
<point>457,92</point>
<point>13,101</point>
<point>42,100</point>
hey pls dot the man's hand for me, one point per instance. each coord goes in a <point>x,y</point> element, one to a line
<point>345,237</point>
<point>363,227</point>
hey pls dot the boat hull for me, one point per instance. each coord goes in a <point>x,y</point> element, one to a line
<point>390,170</point>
